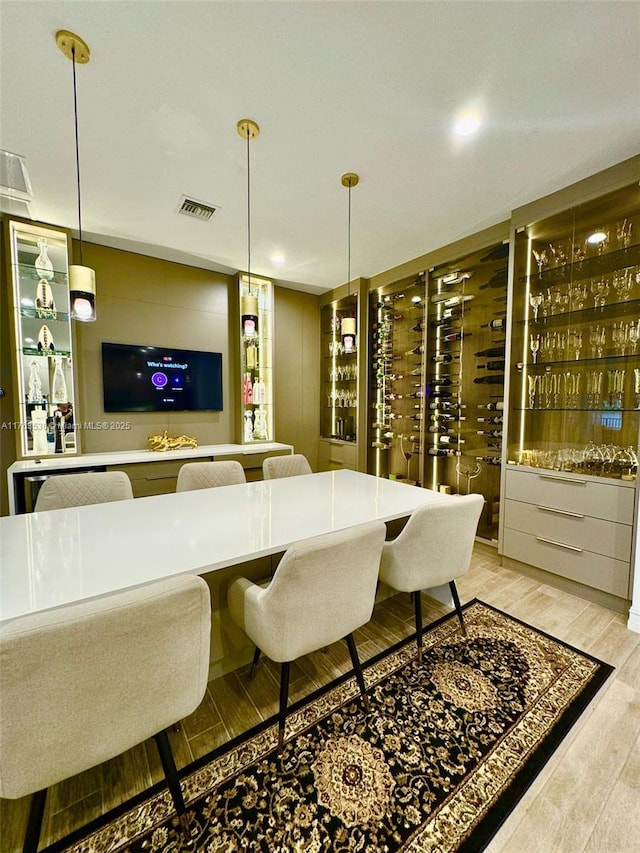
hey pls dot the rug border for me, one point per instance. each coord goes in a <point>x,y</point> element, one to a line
<point>483,832</point>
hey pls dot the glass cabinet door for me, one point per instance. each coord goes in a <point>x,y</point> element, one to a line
<point>43,344</point>
<point>256,359</point>
<point>465,378</point>
<point>575,354</point>
<point>339,366</point>
<point>396,418</point>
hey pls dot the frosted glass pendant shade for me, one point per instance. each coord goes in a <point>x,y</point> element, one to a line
<point>82,293</point>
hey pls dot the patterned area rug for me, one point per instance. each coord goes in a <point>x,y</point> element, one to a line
<point>444,756</point>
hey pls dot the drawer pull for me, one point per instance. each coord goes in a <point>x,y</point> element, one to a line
<point>559,544</point>
<point>563,479</point>
<point>560,511</point>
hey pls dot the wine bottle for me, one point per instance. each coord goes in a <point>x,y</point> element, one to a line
<point>417,417</point>
<point>490,380</point>
<point>439,392</point>
<point>418,327</point>
<point>447,418</point>
<point>491,352</point>
<point>442,451</point>
<point>455,336</point>
<point>490,460</point>
<point>445,357</point>
<point>393,396</point>
<point>393,376</point>
<point>417,371</point>
<point>493,433</point>
<point>451,299</point>
<point>496,419</point>
<point>448,405</point>
<point>492,365</point>
<point>416,394</point>
<point>450,439</point>
<point>492,406</point>
<point>498,323</point>
<point>415,351</point>
<point>379,445</point>
<point>443,430</point>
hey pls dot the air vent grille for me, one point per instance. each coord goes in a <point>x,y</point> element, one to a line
<point>198,209</point>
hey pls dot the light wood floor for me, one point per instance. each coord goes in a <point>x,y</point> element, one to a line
<point>587,797</point>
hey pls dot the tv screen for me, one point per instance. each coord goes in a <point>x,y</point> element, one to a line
<point>160,379</point>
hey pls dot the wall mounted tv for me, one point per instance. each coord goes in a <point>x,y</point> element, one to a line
<point>160,379</point>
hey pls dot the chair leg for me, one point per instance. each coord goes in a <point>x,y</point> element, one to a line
<point>456,601</point>
<point>417,600</point>
<point>355,660</point>
<point>34,824</point>
<point>284,695</point>
<point>254,663</point>
<point>170,772</point>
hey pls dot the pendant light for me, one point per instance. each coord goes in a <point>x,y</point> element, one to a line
<point>248,129</point>
<point>348,324</point>
<point>82,280</point>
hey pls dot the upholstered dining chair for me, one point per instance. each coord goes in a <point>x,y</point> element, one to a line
<point>322,591</point>
<point>208,475</point>
<point>433,548</point>
<point>85,682</point>
<point>285,466</point>
<point>94,487</point>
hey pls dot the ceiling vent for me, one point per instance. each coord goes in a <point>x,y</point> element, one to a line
<point>198,209</point>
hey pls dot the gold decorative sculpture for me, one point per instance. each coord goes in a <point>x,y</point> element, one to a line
<point>166,442</point>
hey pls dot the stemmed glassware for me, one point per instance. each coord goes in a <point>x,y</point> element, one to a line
<point>636,386</point>
<point>541,259</point>
<point>532,382</point>
<point>623,233</point>
<point>407,452</point>
<point>535,301</point>
<point>594,388</point>
<point>578,295</point>
<point>623,284</point>
<point>615,388</point>
<point>634,335</point>
<point>600,291</point>
<point>535,346</point>
<point>574,343</point>
<point>597,338</point>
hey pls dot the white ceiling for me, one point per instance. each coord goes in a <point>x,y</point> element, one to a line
<point>370,87</point>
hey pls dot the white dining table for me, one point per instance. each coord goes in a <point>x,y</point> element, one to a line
<point>50,559</point>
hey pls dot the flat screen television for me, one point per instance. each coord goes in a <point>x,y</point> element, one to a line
<point>160,379</point>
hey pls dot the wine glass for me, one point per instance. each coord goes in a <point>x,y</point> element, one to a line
<point>407,453</point>
<point>534,343</point>
<point>470,470</point>
<point>623,233</point>
<point>541,259</point>
<point>535,301</point>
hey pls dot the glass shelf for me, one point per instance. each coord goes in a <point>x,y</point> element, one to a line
<point>61,316</point>
<point>28,272</point>
<point>608,311</point>
<point>46,353</point>
<point>602,264</point>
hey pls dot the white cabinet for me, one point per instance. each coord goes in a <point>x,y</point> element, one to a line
<point>574,527</point>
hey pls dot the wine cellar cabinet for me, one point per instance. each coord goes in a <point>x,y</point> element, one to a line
<point>574,389</point>
<point>464,387</point>
<point>256,359</point>
<point>42,339</point>
<point>343,340</point>
<point>396,414</point>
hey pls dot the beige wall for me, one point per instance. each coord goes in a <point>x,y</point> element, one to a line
<point>297,371</point>
<point>141,300</point>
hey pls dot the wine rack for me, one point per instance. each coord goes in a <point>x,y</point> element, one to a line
<point>46,414</point>
<point>396,393</point>
<point>464,386</point>
<point>339,400</point>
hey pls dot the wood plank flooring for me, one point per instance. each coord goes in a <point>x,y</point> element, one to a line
<point>587,797</point>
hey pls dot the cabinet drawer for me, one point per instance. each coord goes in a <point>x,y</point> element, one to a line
<point>583,566</point>
<point>159,470</point>
<point>338,454</point>
<point>608,538</point>
<point>553,489</point>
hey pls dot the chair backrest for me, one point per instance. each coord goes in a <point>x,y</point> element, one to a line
<point>208,475</point>
<point>85,682</point>
<point>435,545</point>
<point>95,487</point>
<point>285,466</point>
<point>323,589</point>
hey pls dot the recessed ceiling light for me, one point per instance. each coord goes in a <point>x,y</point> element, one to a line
<point>596,237</point>
<point>277,258</point>
<point>467,124</point>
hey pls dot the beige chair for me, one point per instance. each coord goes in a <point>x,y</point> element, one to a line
<point>208,475</point>
<point>433,548</point>
<point>285,466</point>
<point>88,681</point>
<point>93,487</point>
<point>323,589</point>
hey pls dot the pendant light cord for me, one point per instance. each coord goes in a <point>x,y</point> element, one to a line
<point>75,116</point>
<point>249,210</point>
<point>349,249</point>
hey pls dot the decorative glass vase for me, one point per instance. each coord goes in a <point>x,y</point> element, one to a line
<point>43,264</point>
